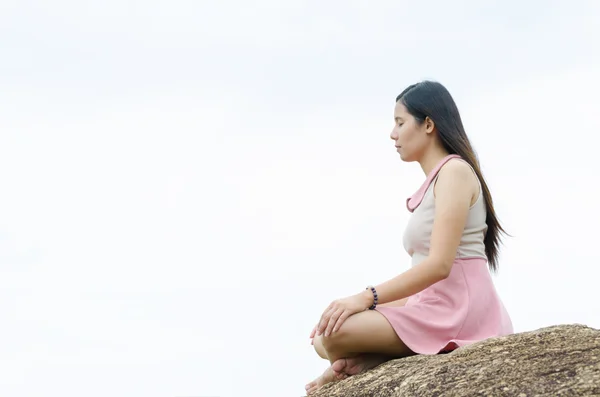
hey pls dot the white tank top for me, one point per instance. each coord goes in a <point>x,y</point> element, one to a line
<point>417,235</point>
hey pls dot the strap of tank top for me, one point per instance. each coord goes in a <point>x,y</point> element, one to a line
<point>413,201</point>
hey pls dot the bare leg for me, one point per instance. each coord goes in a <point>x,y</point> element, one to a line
<point>320,349</point>
<point>383,346</point>
<point>318,339</point>
<point>349,366</point>
<point>329,375</point>
<point>365,340</point>
<point>365,332</point>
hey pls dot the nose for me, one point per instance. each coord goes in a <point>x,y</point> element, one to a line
<point>393,134</point>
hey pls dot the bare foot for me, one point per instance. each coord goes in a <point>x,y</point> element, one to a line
<point>327,377</point>
<point>345,367</point>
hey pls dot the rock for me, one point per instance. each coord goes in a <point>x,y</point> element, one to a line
<point>561,360</point>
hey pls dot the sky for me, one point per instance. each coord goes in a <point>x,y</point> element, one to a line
<point>187,185</point>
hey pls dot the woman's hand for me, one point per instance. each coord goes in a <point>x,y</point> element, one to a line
<point>339,310</point>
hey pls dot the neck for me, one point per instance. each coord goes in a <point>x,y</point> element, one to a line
<point>432,158</point>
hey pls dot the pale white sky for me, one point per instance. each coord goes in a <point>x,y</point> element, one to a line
<point>186,185</point>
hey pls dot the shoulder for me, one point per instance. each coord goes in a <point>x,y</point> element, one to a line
<point>456,168</point>
<point>456,175</point>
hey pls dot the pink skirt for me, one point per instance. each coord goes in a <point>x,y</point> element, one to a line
<point>460,310</point>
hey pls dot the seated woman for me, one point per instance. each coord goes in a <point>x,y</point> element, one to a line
<point>447,298</point>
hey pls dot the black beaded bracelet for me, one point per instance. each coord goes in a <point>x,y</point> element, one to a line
<point>374,297</point>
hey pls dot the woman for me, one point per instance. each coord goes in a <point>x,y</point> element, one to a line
<point>447,298</point>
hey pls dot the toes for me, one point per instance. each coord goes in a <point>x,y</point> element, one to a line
<point>310,386</point>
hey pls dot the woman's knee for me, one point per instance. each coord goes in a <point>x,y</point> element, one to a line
<point>319,347</point>
<point>331,342</point>
<point>359,330</point>
<point>364,332</point>
<point>337,340</point>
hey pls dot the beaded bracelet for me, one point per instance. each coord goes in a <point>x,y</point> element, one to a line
<point>374,297</point>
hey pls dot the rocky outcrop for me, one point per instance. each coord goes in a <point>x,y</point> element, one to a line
<point>561,360</point>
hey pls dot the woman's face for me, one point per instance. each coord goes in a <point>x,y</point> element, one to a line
<point>409,137</point>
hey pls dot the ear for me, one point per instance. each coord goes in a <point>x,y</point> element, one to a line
<point>429,125</point>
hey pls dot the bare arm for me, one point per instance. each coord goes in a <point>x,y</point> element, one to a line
<point>453,192</point>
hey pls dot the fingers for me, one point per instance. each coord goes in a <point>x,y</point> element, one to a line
<point>333,320</point>
<point>325,319</point>
<point>341,320</point>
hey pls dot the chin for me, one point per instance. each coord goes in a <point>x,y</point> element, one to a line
<point>406,159</point>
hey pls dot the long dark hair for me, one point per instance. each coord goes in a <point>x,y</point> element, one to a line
<point>431,99</point>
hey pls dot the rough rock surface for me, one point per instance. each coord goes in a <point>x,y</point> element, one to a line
<point>562,360</point>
